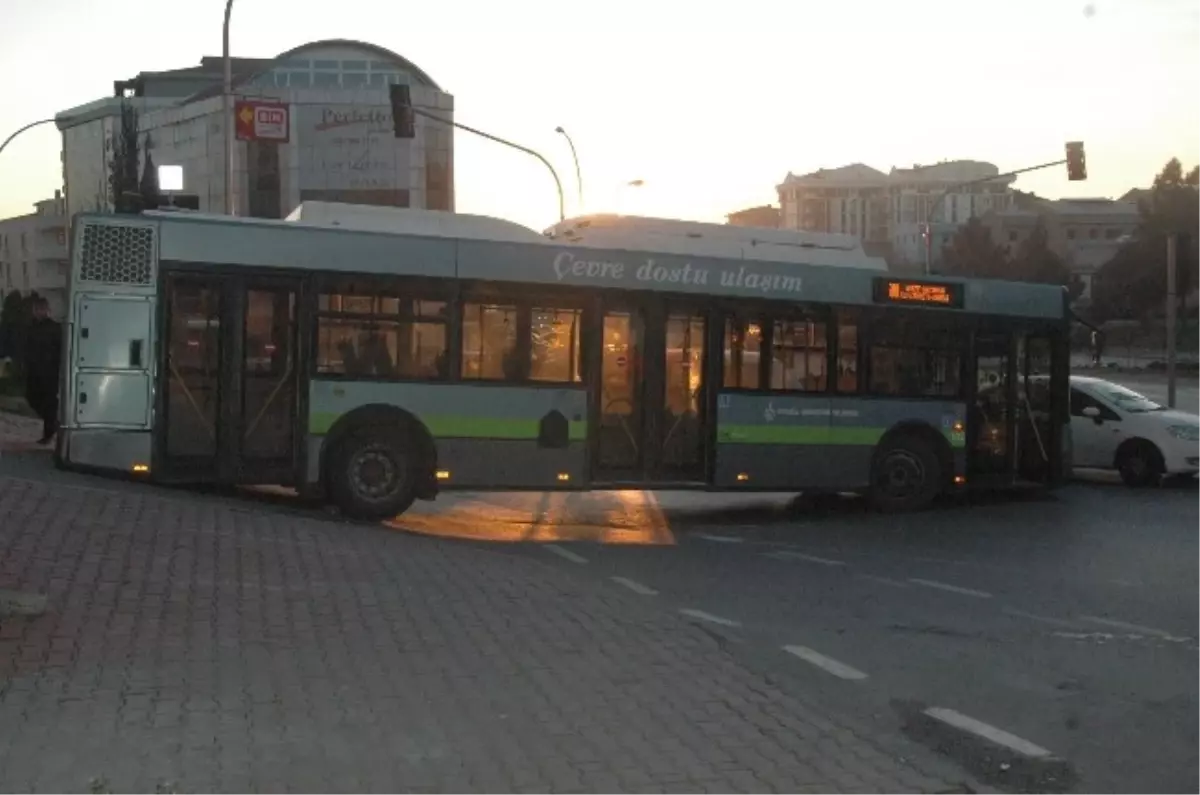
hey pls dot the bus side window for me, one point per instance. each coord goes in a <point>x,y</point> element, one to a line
<point>847,354</point>
<point>743,340</point>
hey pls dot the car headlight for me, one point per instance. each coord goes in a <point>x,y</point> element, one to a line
<point>1188,433</point>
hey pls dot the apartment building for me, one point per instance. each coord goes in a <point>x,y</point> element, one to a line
<point>33,253</point>
<point>888,212</point>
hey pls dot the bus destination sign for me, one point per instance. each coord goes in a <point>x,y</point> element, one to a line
<point>896,291</point>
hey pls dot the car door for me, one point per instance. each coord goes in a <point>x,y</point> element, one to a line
<point>1094,439</point>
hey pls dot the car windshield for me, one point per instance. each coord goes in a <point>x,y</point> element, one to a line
<point>1126,399</point>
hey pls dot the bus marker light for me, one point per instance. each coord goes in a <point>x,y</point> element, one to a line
<point>742,477</point>
<point>959,480</point>
<point>443,474</point>
<point>141,469</point>
<point>564,476</point>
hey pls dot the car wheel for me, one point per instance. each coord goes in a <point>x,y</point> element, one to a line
<point>372,474</point>
<point>906,475</point>
<point>1140,464</point>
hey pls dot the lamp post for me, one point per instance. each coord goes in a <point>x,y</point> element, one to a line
<point>633,183</point>
<point>29,126</point>
<point>575,157</point>
<point>227,111</point>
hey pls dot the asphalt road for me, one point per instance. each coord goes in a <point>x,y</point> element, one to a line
<point>1067,621</point>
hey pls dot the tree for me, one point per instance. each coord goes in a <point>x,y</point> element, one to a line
<point>148,187</point>
<point>973,253</point>
<point>10,324</point>
<point>123,185</point>
<point>1133,283</point>
<point>1036,261</point>
<point>15,315</point>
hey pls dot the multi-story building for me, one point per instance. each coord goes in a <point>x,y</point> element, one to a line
<point>889,212</point>
<point>340,142</point>
<point>1086,233</point>
<point>33,253</point>
<point>764,217</point>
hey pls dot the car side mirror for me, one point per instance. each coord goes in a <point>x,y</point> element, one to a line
<point>1093,412</point>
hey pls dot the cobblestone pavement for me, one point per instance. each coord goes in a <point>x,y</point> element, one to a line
<point>195,644</point>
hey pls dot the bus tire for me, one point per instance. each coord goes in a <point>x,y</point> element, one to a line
<point>906,474</point>
<point>373,474</point>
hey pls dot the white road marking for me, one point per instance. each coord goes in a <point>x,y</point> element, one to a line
<point>942,586</point>
<point>709,617</point>
<point>721,539</point>
<point>883,580</point>
<point>1110,622</point>
<point>987,732</point>
<point>827,664</point>
<point>635,586</point>
<point>802,556</point>
<point>1058,622</point>
<point>565,554</point>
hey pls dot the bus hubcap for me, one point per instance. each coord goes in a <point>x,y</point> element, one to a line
<point>902,473</point>
<point>374,474</point>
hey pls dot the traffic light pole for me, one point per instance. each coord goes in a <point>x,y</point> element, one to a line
<point>562,209</point>
<point>933,207</point>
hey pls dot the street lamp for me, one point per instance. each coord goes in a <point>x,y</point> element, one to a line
<point>633,183</point>
<point>227,111</point>
<point>31,125</point>
<point>575,157</point>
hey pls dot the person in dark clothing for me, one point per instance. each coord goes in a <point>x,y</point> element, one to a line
<point>43,354</point>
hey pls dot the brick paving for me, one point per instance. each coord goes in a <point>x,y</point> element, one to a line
<point>195,644</point>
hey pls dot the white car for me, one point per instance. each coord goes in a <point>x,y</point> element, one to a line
<point>1113,427</point>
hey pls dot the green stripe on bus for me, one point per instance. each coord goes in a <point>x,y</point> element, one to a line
<point>447,426</point>
<point>810,434</point>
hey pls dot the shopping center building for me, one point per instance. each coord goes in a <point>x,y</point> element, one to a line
<point>339,143</point>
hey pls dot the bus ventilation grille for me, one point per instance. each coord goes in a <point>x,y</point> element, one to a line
<point>117,254</point>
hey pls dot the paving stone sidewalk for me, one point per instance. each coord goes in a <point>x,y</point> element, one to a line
<point>195,645</point>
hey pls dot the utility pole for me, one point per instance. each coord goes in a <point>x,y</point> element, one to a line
<point>1172,254</point>
<point>227,111</point>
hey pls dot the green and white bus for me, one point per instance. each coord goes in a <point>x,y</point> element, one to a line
<point>373,356</point>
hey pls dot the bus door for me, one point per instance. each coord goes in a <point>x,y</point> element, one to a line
<point>991,413</point>
<point>651,396</point>
<point>1041,408</point>
<point>229,380</point>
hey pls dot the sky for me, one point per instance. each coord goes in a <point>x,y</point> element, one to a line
<point>710,105</point>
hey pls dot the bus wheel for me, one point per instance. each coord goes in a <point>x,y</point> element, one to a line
<point>906,475</point>
<point>373,474</point>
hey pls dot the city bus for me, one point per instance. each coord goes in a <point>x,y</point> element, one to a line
<point>370,357</point>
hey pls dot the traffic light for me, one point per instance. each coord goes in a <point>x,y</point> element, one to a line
<point>403,118</point>
<point>1076,161</point>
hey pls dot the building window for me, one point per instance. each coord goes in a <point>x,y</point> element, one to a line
<point>489,343</point>
<point>326,79</point>
<point>1112,233</point>
<point>364,335</point>
<point>354,79</point>
<point>554,345</point>
<point>354,66</point>
<point>1093,233</point>
<point>1070,234</point>
<point>743,345</point>
<point>1012,236</point>
<point>798,356</point>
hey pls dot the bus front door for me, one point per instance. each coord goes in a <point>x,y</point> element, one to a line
<point>229,381</point>
<point>651,395</point>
